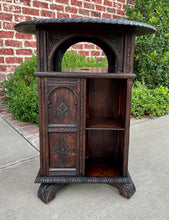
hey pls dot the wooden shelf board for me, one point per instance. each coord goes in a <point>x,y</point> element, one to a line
<point>102,167</point>
<point>104,124</point>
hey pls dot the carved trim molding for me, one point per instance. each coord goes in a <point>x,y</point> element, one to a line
<point>45,179</point>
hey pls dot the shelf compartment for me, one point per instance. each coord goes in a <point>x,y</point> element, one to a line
<point>104,124</point>
<point>102,167</point>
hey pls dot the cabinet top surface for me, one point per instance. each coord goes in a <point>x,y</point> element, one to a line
<point>140,28</point>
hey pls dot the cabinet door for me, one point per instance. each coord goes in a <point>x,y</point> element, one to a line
<point>64,104</point>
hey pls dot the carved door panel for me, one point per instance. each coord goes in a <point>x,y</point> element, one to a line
<point>63,110</point>
<point>62,106</point>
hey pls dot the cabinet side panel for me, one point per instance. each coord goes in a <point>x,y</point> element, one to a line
<point>44,165</point>
<point>127,126</point>
<point>82,127</point>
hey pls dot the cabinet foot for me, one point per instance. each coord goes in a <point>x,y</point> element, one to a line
<point>125,189</point>
<point>47,192</point>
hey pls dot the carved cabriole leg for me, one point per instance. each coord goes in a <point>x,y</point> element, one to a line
<point>125,189</point>
<point>47,192</point>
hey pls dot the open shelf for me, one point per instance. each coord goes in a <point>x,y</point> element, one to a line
<point>98,123</point>
<point>102,167</point>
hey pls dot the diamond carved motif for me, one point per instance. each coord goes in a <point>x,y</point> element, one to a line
<point>63,151</point>
<point>62,109</point>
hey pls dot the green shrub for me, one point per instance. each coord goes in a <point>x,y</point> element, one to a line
<point>21,93</point>
<point>70,59</point>
<point>152,51</point>
<point>151,102</point>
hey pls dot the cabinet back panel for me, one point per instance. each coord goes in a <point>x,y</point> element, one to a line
<point>102,144</point>
<point>103,98</point>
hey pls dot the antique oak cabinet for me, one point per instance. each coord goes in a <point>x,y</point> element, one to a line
<point>84,115</point>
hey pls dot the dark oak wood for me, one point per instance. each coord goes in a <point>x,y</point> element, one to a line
<point>125,189</point>
<point>84,114</point>
<point>47,192</point>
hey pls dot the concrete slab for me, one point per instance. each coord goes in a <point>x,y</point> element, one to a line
<point>149,168</point>
<point>13,147</point>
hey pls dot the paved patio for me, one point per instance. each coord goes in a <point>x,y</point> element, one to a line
<point>148,165</point>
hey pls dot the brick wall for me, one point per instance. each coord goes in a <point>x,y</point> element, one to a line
<point>16,47</point>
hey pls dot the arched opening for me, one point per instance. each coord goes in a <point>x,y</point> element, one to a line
<point>56,56</point>
<point>84,57</point>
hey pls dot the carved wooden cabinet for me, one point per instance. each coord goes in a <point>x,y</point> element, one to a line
<point>85,114</point>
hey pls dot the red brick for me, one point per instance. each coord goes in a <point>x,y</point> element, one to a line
<point>120,12</point>
<point>97,1</point>
<point>103,53</point>
<point>95,14</point>
<point>72,10</point>
<point>21,18</point>
<point>23,2</point>
<point>82,52</point>
<point>95,53</point>
<point>116,17</point>
<point>8,25</point>
<point>123,1</point>
<point>107,2</point>
<point>78,46</point>
<point>89,46</point>
<point>57,7</point>
<point>5,51</point>
<point>47,13</point>
<point>84,12</point>
<point>10,1</point>
<point>62,1</point>
<point>76,16</point>
<point>14,59</point>
<point>3,68</point>
<point>24,52</point>
<point>13,43</point>
<point>111,10</point>
<point>23,36</point>
<point>88,5</point>
<point>76,2</point>
<point>124,7</point>
<point>117,5</point>
<point>6,34</point>
<point>5,16</point>
<point>11,8</point>
<point>30,44</point>
<point>40,4</point>
<point>1,42</point>
<point>105,15</point>
<point>31,11</point>
<point>1,59</point>
<point>100,8</point>
<point>62,15</point>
